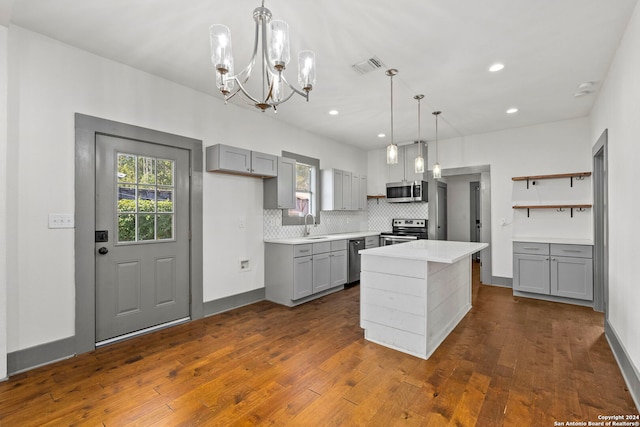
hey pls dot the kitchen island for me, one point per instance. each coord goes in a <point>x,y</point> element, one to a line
<point>412,295</point>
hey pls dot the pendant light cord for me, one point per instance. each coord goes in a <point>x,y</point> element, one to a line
<point>391,76</point>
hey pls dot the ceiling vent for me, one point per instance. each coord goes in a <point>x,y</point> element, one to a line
<point>368,65</point>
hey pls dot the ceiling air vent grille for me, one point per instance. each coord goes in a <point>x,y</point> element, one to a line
<point>368,65</point>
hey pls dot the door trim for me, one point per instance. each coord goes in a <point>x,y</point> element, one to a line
<point>86,128</point>
<point>485,199</point>
<point>601,225</point>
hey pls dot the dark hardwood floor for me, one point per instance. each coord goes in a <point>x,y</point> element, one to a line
<point>511,361</point>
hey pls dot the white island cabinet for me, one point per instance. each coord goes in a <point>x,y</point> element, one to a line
<point>414,294</point>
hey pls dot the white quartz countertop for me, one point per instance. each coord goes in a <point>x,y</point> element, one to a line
<point>558,240</point>
<point>323,238</point>
<point>428,250</point>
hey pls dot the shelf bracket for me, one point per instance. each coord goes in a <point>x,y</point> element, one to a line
<point>571,212</point>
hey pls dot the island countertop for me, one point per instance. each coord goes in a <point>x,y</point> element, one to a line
<point>443,251</point>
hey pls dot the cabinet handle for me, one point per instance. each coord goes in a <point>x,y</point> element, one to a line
<point>571,250</point>
<point>529,249</point>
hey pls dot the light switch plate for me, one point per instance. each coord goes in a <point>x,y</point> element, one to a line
<point>57,220</point>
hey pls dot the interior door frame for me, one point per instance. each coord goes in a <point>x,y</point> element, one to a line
<point>86,128</point>
<point>601,225</point>
<point>485,212</point>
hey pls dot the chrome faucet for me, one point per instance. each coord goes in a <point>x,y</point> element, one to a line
<point>306,226</point>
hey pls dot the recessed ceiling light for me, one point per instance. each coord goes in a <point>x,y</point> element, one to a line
<point>496,67</point>
<point>581,93</point>
<point>333,112</point>
<point>381,135</point>
<point>512,110</point>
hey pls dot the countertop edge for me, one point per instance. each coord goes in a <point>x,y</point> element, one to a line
<point>326,238</point>
<point>420,254</point>
<point>555,240</point>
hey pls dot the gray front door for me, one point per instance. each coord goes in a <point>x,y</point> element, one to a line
<point>142,203</point>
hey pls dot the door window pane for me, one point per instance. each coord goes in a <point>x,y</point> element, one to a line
<point>165,226</point>
<point>145,199</point>
<point>146,227</point>
<point>165,172</point>
<point>127,228</point>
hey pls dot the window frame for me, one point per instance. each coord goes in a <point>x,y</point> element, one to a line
<point>315,191</point>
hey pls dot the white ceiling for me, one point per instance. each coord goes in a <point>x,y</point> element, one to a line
<point>442,49</point>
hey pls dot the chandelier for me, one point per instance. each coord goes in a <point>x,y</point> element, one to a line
<point>274,51</point>
<point>392,148</point>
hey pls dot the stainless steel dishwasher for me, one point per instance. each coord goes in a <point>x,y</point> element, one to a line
<point>354,259</point>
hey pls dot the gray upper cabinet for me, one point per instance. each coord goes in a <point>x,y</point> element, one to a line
<point>280,192</point>
<point>343,191</point>
<point>234,160</point>
<point>264,164</point>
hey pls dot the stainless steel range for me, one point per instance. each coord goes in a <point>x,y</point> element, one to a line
<point>405,230</point>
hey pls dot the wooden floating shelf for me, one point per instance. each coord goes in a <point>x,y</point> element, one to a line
<point>376,197</point>
<point>555,176</point>
<point>571,176</point>
<point>559,207</point>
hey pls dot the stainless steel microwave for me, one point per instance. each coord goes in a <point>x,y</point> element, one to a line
<point>407,191</point>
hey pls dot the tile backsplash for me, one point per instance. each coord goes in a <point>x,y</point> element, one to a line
<point>381,213</point>
<point>331,222</point>
<point>377,218</point>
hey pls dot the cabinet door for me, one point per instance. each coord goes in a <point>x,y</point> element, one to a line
<point>338,268</point>
<point>362,203</point>
<point>531,273</point>
<point>302,277</point>
<point>355,192</point>
<point>234,159</point>
<point>572,277</point>
<point>321,272</point>
<point>286,183</point>
<point>346,190</point>
<point>264,164</point>
<point>337,190</point>
<point>280,192</point>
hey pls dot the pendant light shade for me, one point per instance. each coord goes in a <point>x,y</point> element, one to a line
<point>437,172</point>
<point>392,154</point>
<point>419,162</point>
<point>392,148</point>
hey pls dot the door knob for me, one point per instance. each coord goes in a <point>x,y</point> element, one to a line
<point>103,250</point>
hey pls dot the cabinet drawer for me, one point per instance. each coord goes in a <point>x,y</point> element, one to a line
<point>321,247</point>
<point>577,251</point>
<point>531,248</point>
<point>371,241</point>
<point>302,250</point>
<point>338,245</point>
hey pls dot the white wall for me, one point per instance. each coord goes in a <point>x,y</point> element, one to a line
<point>459,206</point>
<point>3,198</point>
<point>556,147</point>
<point>618,109</point>
<point>49,82</point>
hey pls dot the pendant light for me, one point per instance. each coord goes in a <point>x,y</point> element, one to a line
<point>419,162</point>
<point>392,149</point>
<point>437,172</point>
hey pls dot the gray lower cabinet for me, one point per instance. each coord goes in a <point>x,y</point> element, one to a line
<point>559,270</point>
<point>302,277</point>
<point>295,274</point>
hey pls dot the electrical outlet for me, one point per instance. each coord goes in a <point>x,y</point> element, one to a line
<point>241,223</point>
<point>244,265</point>
<point>57,220</point>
